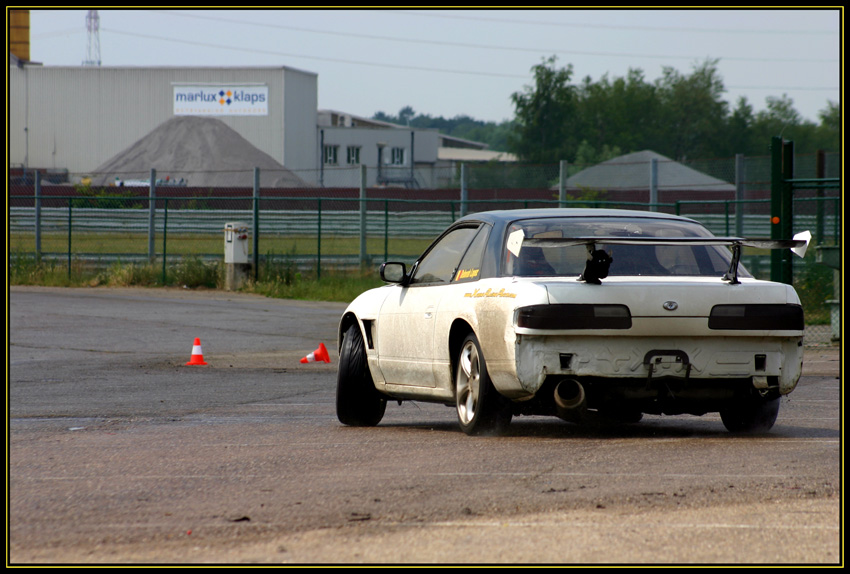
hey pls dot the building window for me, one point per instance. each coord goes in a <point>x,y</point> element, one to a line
<point>331,152</point>
<point>397,157</point>
<point>353,155</point>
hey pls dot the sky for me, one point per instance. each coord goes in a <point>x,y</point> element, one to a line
<point>468,62</point>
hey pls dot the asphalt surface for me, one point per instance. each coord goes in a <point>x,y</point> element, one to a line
<point>120,453</point>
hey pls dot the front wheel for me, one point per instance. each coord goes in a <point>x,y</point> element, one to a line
<point>358,403</point>
<point>753,415</point>
<point>480,407</point>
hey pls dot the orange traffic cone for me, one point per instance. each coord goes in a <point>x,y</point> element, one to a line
<point>197,354</point>
<point>320,354</point>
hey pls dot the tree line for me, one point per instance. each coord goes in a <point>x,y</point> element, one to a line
<point>681,116</point>
<point>462,126</point>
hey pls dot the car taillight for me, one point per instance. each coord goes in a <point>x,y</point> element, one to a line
<point>762,317</point>
<point>574,316</point>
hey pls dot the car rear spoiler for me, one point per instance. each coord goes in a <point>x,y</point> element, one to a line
<point>598,261</point>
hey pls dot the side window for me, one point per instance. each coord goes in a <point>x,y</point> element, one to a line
<point>353,155</point>
<point>470,266</point>
<point>397,157</point>
<point>331,154</point>
<point>439,264</point>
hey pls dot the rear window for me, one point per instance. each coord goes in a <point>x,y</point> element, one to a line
<point>628,260</point>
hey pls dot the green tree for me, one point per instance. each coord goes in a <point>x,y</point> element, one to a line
<point>623,113</point>
<point>739,132</point>
<point>780,118</point>
<point>828,133</point>
<point>678,115</point>
<point>545,116</point>
<point>383,117</point>
<point>462,126</point>
<point>587,155</point>
<point>406,114</point>
<point>693,110</point>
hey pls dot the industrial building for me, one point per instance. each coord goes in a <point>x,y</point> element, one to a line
<point>74,119</point>
<point>396,155</point>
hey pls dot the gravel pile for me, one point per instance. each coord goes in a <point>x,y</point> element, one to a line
<point>199,151</point>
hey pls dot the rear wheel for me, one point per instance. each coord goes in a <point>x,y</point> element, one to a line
<point>358,403</point>
<point>480,407</point>
<point>753,415</point>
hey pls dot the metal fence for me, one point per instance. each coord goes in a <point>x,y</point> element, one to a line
<point>320,229</point>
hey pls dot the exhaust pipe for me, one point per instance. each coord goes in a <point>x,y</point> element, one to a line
<point>570,400</point>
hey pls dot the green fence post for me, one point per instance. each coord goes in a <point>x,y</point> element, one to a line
<point>653,184</point>
<point>836,211</point>
<point>256,223</point>
<point>781,208</point>
<point>562,183</point>
<point>363,252</point>
<point>152,216</point>
<point>37,215</point>
<point>319,240</point>
<point>164,240</point>
<point>820,173</point>
<point>739,195</point>
<point>386,229</point>
<point>787,217</point>
<point>70,219</point>
<point>775,204</point>
<point>464,191</point>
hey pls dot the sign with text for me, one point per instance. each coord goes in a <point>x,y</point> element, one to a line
<point>223,100</point>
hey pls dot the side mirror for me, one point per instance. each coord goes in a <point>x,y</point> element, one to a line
<point>392,272</point>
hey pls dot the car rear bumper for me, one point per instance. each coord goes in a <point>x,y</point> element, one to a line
<point>774,362</point>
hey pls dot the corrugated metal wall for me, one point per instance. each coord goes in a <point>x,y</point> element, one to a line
<point>300,104</point>
<point>79,117</point>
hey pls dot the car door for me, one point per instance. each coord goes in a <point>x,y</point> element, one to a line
<point>406,325</point>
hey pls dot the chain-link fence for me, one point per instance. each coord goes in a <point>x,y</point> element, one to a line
<point>80,218</point>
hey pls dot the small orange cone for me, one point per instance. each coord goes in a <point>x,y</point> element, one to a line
<point>197,354</point>
<point>320,354</point>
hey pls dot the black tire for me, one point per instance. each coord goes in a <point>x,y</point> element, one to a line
<point>480,408</point>
<point>358,403</point>
<point>751,415</point>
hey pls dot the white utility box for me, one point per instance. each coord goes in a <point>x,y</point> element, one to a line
<point>236,242</point>
<point>236,262</point>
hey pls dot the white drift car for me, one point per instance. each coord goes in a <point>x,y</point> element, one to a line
<point>574,313</point>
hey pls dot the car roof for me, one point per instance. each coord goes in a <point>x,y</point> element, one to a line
<point>508,215</point>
